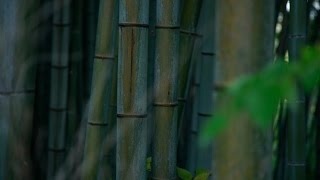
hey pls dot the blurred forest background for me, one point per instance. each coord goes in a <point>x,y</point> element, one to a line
<point>159,89</point>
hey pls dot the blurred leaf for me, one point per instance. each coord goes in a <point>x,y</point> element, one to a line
<point>202,176</point>
<point>149,161</point>
<point>201,171</point>
<point>184,174</point>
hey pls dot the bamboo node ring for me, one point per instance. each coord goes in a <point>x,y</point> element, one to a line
<point>127,115</point>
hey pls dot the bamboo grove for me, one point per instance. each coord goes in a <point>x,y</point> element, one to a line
<point>144,89</point>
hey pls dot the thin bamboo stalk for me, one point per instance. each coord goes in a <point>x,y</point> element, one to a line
<point>132,89</point>
<point>101,88</point>
<point>59,87</point>
<point>297,116</point>
<point>91,20</point>
<point>41,115</point>
<point>191,162</point>
<point>189,20</point>
<point>75,98</point>
<point>18,51</point>
<point>245,40</point>
<point>206,88</point>
<point>165,87</point>
<point>317,124</point>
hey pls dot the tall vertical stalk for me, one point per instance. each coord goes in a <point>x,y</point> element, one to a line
<point>189,21</point>
<point>91,9</point>
<point>75,98</point>
<point>165,87</point>
<point>132,89</point>
<point>18,47</point>
<point>59,87</point>
<point>101,88</point>
<point>297,116</point>
<point>206,80</point>
<point>193,130</point>
<point>244,45</point>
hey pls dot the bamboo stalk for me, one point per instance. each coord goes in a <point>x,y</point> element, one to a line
<point>132,89</point>
<point>165,87</point>
<point>317,124</point>
<point>191,162</point>
<point>59,87</point>
<point>41,115</point>
<point>75,98</point>
<point>91,11</point>
<point>297,116</point>
<point>189,20</point>
<point>101,88</point>
<point>245,40</point>
<point>18,51</point>
<point>206,81</point>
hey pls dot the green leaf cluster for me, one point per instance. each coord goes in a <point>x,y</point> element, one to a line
<point>257,95</point>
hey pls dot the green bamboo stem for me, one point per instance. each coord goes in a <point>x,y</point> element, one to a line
<point>189,21</point>
<point>18,48</point>
<point>297,116</point>
<point>206,88</point>
<point>191,162</point>
<point>101,88</point>
<point>91,11</point>
<point>132,89</point>
<point>151,63</point>
<point>245,40</point>
<point>108,168</point>
<point>76,58</point>
<point>317,124</point>
<point>59,87</point>
<point>41,115</point>
<point>165,87</point>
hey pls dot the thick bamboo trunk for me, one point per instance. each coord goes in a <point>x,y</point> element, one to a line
<point>18,47</point>
<point>101,88</point>
<point>296,166</point>
<point>59,87</point>
<point>165,87</point>
<point>244,45</point>
<point>132,89</point>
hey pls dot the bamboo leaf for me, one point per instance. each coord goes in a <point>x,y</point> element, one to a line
<point>184,174</point>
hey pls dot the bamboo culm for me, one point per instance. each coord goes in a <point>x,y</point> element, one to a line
<point>165,90</point>
<point>253,146</point>
<point>132,89</point>
<point>99,103</point>
<point>205,101</point>
<point>18,46</point>
<point>296,159</point>
<point>59,87</point>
